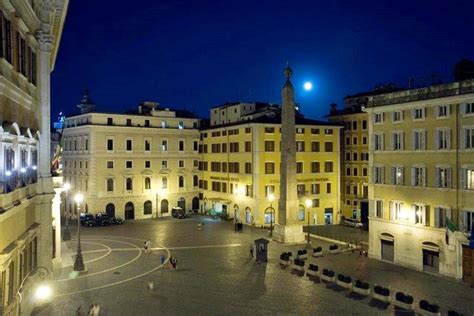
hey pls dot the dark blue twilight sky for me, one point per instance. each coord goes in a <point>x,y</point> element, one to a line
<point>198,54</point>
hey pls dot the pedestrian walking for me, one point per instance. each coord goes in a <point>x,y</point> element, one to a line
<point>151,285</point>
<point>251,251</point>
<point>162,259</point>
<point>175,263</point>
<point>147,246</point>
<point>171,262</point>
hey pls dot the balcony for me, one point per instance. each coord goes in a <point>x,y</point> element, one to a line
<point>12,180</point>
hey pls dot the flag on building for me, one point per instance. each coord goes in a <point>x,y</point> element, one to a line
<point>450,229</point>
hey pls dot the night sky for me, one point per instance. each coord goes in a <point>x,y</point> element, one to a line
<point>198,54</point>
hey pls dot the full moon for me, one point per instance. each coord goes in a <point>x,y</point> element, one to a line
<point>308,86</point>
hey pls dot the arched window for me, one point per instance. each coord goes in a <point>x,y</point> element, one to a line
<point>147,183</point>
<point>129,184</point>
<point>195,181</point>
<point>147,208</point>
<point>110,185</point>
<point>181,181</point>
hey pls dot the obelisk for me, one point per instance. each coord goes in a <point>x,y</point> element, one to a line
<point>287,229</point>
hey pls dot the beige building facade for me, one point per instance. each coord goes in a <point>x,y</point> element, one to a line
<point>421,171</point>
<point>30,33</point>
<point>137,165</point>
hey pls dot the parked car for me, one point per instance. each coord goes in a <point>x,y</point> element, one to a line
<point>117,221</point>
<point>178,212</point>
<point>352,222</point>
<point>87,220</point>
<point>102,219</point>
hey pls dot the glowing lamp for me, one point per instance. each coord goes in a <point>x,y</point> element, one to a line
<point>308,203</point>
<point>79,198</point>
<point>8,173</point>
<point>271,197</point>
<point>43,292</point>
<point>23,170</point>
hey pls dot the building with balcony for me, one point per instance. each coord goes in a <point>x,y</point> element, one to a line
<point>421,154</point>
<point>240,165</point>
<point>133,165</point>
<point>30,34</point>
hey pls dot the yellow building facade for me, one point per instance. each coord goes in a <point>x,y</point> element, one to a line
<point>138,165</point>
<point>421,172</point>
<point>240,166</point>
<point>31,32</point>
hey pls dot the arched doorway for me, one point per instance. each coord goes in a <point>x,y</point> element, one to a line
<point>164,206</point>
<point>195,203</point>
<point>147,208</point>
<point>110,210</point>
<point>182,203</point>
<point>129,211</point>
<point>236,212</point>
<point>248,215</point>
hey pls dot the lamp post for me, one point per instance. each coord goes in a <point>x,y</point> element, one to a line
<point>42,293</point>
<point>271,197</point>
<point>79,261</point>
<point>157,200</point>
<point>308,205</point>
<point>66,233</point>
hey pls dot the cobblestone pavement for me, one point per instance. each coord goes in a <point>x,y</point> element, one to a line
<point>215,276</point>
<point>340,232</point>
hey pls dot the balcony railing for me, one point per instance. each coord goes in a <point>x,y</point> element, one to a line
<point>12,180</point>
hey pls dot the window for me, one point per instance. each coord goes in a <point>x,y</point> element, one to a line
<point>328,187</point>
<point>379,208</point>
<point>328,166</point>
<point>234,147</point>
<point>328,131</point>
<point>147,123</point>
<point>443,177</point>
<point>110,144</point>
<point>147,164</point>
<point>180,125</point>
<point>300,131</point>
<point>468,138</point>
<point>248,146</point>
<point>419,140</point>
<point>164,124</point>
<point>467,221</point>
<point>397,140</point>
<point>86,144</point>
<point>397,175</point>
<point>110,185</point>
<point>328,146</point>
<point>364,140</point>
<point>269,130</point>
<point>248,190</point>
<point>248,168</point>
<point>354,125</point>
<point>128,164</point>
<point>364,172</point>
<point>147,208</point>
<point>269,145</point>
<point>354,140</point>
<point>129,184</point>
<point>315,131</point>
<point>147,183</point>
<point>315,188</point>
<point>315,167</point>
<point>378,118</point>
<point>129,145</point>
<point>378,141</point>
<point>300,189</point>
<point>164,164</point>
<point>129,122</point>
<point>248,130</point>
<point>397,212</point>
<point>181,145</point>
<point>299,167</point>
<point>467,176</point>
<point>195,145</point>
<point>469,108</point>
<point>300,146</point>
<point>397,116</point>
<point>181,182</point>
<point>315,147</point>
<point>110,164</point>
<point>443,139</point>
<point>180,163</point>
<point>269,189</point>
<point>420,214</point>
<point>354,156</point>
<point>348,189</point>
<point>418,176</point>
<point>441,216</point>
<point>164,183</point>
<point>301,214</point>
<point>443,111</point>
<point>195,163</point>
<point>419,113</point>
<point>348,141</point>
<point>355,189</point>
<point>164,145</point>
<point>110,121</point>
<point>195,181</point>
<point>147,145</point>
<point>378,175</point>
<point>364,124</point>
<point>355,172</point>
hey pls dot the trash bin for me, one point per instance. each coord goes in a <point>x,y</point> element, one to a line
<point>261,250</point>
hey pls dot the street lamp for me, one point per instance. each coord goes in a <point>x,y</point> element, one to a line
<point>271,197</point>
<point>79,261</point>
<point>66,233</point>
<point>42,294</point>
<point>157,200</point>
<point>308,205</point>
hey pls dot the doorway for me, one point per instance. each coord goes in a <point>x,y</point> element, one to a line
<point>328,216</point>
<point>195,203</point>
<point>129,211</point>
<point>182,203</point>
<point>430,257</point>
<point>387,250</point>
<point>110,210</point>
